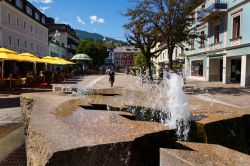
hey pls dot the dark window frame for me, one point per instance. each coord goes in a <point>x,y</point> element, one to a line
<point>216,34</point>
<point>236,27</point>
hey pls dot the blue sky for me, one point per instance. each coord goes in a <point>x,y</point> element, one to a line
<point>98,16</point>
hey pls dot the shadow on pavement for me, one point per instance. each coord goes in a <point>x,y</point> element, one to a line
<point>11,99</point>
<point>216,90</point>
<point>25,90</point>
<point>9,102</point>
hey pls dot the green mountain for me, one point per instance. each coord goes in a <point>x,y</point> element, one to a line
<point>84,35</point>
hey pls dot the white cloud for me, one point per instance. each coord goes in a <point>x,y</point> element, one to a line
<point>44,8</point>
<point>42,1</point>
<point>96,20</point>
<point>79,20</point>
<point>64,22</point>
<point>56,19</point>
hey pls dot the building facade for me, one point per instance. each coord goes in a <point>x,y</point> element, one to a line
<point>68,37</point>
<point>225,53</point>
<point>56,49</point>
<point>162,61</point>
<point>22,27</point>
<point>123,57</point>
<point>109,62</point>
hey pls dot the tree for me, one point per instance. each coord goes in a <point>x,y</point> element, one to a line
<point>97,51</point>
<point>142,35</point>
<point>171,21</point>
<point>139,60</point>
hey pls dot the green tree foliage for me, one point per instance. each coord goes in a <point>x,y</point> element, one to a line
<point>142,35</point>
<point>97,51</point>
<point>139,60</point>
<point>170,21</point>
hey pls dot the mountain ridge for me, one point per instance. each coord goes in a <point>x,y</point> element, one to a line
<point>84,35</point>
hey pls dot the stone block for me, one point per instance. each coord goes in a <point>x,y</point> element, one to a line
<point>202,154</point>
<point>62,133</point>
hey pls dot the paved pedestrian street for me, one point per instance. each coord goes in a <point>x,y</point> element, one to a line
<point>204,98</point>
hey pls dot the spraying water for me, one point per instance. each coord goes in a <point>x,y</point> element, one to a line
<point>177,105</point>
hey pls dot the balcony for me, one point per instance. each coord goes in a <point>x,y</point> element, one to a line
<point>213,9</point>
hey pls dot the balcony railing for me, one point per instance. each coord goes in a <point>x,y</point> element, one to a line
<point>212,6</point>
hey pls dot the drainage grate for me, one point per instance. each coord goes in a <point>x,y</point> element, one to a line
<point>15,158</point>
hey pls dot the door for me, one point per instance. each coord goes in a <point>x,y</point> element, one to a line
<point>221,69</point>
<point>235,70</point>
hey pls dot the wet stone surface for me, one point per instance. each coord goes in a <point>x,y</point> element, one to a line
<point>72,130</point>
<point>60,132</point>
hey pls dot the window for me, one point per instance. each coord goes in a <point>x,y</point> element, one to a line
<point>19,4</point>
<point>18,42</point>
<point>17,22</point>
<point>31,46</point>
<point>10,40</point>
<point>236,27</point>
<point>25,44</point>
<point>203,6</point>
<point>202,39</point>
<point>216,34</point>
<point>182,50</point>
<point>43,20</point>
<point>193,17</point>
<point>28,10</point>
<point>197,68</point>
<point>9,17</point>
<point>192,43</point>
<point>37,16</point>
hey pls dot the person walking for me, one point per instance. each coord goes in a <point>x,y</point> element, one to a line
<point>111,77</point>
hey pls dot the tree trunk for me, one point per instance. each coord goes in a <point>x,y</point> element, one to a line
<point>149,68</point>
<point>170,58</point>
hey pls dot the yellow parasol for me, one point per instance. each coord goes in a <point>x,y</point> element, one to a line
<point>56,60</point>
<point>27,57</point>
<point>48,59</point>
<point>62,61</point>
<point>6,54</point>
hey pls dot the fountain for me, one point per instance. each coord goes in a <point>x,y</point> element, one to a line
<point>167,104</point>
<point>115,126</point>
<point>177,106</point>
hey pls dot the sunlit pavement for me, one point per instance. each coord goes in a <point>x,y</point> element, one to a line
<point>231,94</point>
<point>10,112</point>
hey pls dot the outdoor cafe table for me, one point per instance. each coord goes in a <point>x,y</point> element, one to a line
<point>10,81</point>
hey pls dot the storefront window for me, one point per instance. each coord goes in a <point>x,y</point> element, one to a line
<point>197,68</point>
